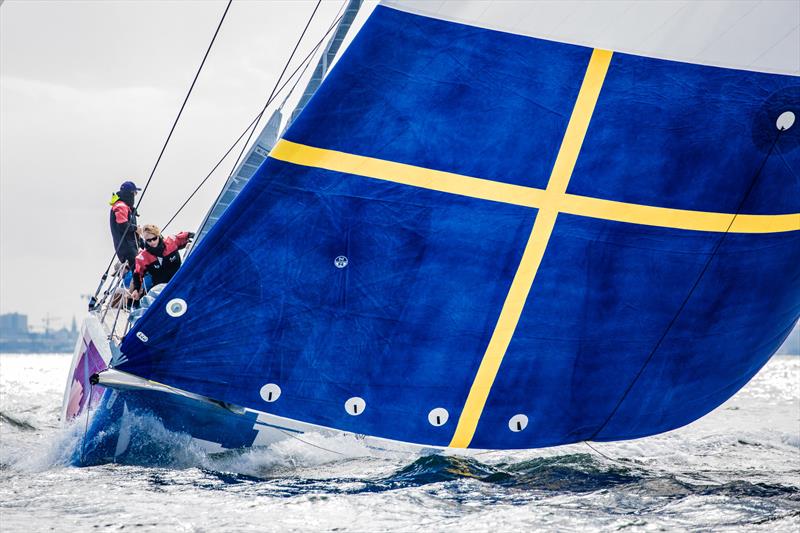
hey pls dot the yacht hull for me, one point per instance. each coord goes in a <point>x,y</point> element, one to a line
<point>132,420</point>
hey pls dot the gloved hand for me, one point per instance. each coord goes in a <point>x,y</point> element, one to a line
<point>191,236</point>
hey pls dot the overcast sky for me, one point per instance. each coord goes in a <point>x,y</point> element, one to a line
<point>88,92</point>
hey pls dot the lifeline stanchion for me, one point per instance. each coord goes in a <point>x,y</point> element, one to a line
<point>122,302</point>
<point>121,276</point>
<point>114,279</point>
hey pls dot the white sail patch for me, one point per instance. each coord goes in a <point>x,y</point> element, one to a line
<point>518,423</point>
<point>438,417</point>
<point>785,121</point>
<point>270,392</point>
<point>355,406</point>
<point>749,35</point>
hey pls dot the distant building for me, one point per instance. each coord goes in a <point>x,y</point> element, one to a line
<point>13,325</point>
<point>16,336</point>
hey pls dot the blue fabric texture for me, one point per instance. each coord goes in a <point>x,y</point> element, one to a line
<point>601,350</point>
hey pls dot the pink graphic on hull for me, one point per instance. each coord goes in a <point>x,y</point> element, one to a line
<point>90,362</point>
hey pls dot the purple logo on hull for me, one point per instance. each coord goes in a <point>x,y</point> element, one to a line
<point>90,362</point>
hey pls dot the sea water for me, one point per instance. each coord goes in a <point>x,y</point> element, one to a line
<point>738,469</point>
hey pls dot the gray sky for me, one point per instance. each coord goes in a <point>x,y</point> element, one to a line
<point>88,92</point>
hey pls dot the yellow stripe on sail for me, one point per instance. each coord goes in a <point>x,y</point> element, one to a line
<point>677,218</point>
<point>425,178</point>
<point>309,156</point>
<point>534,250</point>
<point>504,330</point>
<point>550,202</point>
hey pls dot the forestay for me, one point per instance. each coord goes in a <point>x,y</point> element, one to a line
<point>509,225</point>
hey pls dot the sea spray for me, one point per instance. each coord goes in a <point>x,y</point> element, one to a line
<point>737,469</point>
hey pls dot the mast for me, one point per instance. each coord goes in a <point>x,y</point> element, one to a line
<point>272,130</point>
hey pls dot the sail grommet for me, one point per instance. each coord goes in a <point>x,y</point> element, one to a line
<point>517,423</point>
<point>340,261</point>
<point>785,121</point>
<point>438,417</point>
<point>176,307</point>
<point>270,392</point>
<point>355,406</point>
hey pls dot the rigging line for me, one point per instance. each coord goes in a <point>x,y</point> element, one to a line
<point>788,166</point>
<point>768,50</point>
<point>598,452</point>
<point>307,63</point>
<point>335,23</point>
<point>309,443</point>
<point>289,434</point>
<point>163,148</point>
<point>225,155</point>
<point>186,99</point>
<point>304,64</point>
<point>714,40</point>
<point>277,82</point>
<point>692,289</point>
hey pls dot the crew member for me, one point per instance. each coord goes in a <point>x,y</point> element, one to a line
<point>160,257</point>
<point>123,223</point>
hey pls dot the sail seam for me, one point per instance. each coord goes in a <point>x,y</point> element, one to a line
<point>520,195</point>
<point>534,250</point>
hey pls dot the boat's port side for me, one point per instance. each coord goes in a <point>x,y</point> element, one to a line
<point>122,407</point>
<point>107,322</point>
<point>92,354</point>
<point>127,413</point>
<point>138,421</point>
<point>124,415</point>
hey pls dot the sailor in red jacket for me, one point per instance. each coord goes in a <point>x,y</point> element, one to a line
<point>160,257</point>
<point>124,232</point>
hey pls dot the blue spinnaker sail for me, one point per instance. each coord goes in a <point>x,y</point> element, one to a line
<point>546,242</point>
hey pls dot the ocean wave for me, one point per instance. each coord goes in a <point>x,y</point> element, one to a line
<point>16,423</point>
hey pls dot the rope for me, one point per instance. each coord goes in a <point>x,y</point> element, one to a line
<point>304,64</point>
<point>166,142</point>
<point>287,433</point>
<point>333,25</point>
<point>164,227</point>
<point>274,88</point>
<point>692,289</point>
<point>598,452</point>
<point>186,99</point>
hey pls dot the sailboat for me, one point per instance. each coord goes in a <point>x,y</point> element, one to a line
<point>495,225</point>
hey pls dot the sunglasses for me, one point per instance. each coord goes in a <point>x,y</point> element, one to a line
<point>152,240</point>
